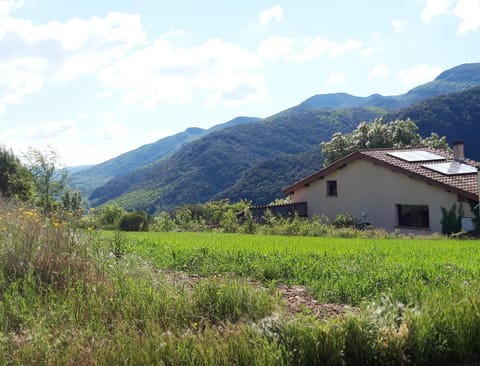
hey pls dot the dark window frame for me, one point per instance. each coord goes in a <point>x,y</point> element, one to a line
<point>413,216</point>
<point>332,188</point>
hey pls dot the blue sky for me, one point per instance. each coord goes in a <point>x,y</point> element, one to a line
<point>94,79</point>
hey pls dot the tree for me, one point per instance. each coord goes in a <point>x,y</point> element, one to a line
<point>110,216</point>
<point>50,180</point>
<point>134,221</point>
<point>378,134</point>
<point>15,179</point>
<point>72,201</point>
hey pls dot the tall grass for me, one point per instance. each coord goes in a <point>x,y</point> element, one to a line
<point>71,297</point>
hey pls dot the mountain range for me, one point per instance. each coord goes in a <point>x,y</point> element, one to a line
<point>255,158</point>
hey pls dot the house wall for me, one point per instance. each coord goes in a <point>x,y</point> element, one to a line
<point>371,192</point>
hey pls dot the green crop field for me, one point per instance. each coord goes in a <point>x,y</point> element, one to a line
<point>352,271</point>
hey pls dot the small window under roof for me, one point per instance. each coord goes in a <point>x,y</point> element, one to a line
<point>415,155</point>
<point>451,168</point>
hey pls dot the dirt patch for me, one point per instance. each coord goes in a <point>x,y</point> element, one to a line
<point>178,277</point>
<point>298,300</point>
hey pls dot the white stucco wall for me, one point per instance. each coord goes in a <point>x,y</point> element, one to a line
<point>374,190</point>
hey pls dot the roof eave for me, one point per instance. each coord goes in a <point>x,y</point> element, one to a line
<point>358,155</point>
<point>322,173</point>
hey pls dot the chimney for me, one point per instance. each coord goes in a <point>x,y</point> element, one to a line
<point>458,151</point>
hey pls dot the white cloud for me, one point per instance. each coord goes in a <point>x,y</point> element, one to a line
<point>276,46</point>
<point>319,46</point>
<point>342,48</point>
<point>379,71</point>
<point>20,77</point>
<point>435,8</point>
<point>57,52</point>
<point>103,95</point>
<point>248,89</point>
<point>419,74</point>
<point>368,51</point>
<point>313,48</point>
<point>174,33</point>
<point>335,79</point>
<point>469,12</point>
<point>112,131</point>
<point>399,25</point>
<point>52,130</point>
<point>274,13</point>
<point>6,7</point>
<point>162,73</point>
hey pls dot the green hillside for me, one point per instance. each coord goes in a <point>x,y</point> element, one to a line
<point>88,180</point>
<point>214,163</point>
<point>263,183</point>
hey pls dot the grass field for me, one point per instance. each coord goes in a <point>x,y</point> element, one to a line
<point>70,297</point>
<point>419,297</point>
<point>353,270</point>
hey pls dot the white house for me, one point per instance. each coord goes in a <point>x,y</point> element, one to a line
<point>393,188</point>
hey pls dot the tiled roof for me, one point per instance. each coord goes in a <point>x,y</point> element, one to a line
<point>463,184</point>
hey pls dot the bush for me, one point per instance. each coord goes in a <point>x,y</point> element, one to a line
<point>163,222</point>
<point>134,221</point>
<point>452,219</point>
<point>344,220</point>
<point>110,216</point>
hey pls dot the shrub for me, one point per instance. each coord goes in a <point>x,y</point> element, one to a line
<point>163,222</point>
<point>452,219</point>
<point>344,220</point>
<point>134,221</point>
<point>110,216</point>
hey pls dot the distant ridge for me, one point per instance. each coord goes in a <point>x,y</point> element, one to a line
<point>455,79</point>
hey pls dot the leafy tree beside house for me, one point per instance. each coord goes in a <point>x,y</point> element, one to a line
<point>378,134</point>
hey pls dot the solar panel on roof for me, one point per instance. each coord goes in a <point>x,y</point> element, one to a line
<point>451,168</point>
<point>415,155</point>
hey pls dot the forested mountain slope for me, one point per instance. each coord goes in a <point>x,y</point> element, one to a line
<point>89,179</point>
<point>455,115</point>
<point>214,163</point>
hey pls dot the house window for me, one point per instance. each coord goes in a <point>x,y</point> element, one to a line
<point>331,187</point>
<point>413,216</point>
